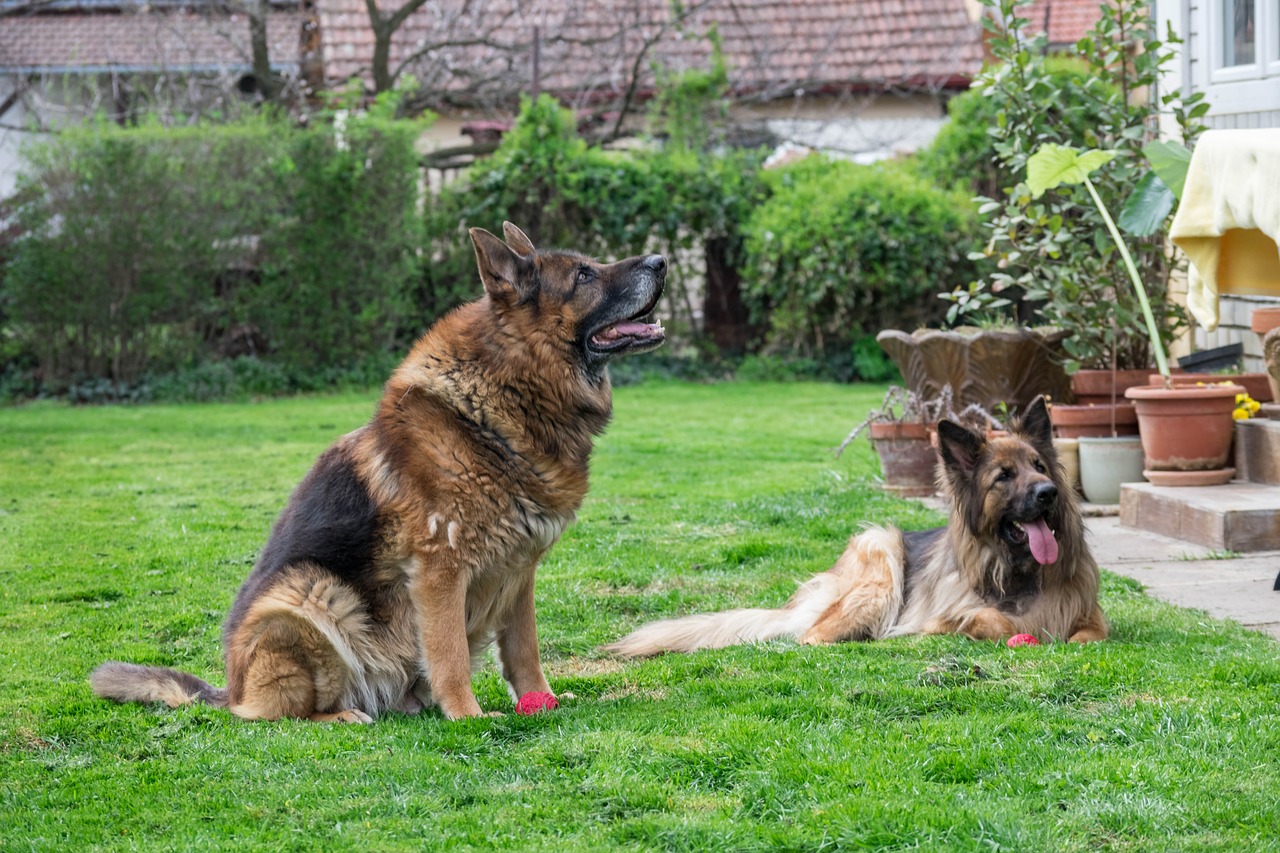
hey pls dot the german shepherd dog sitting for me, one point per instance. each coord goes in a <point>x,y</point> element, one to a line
<point>412,543</point>
<point>1013,560</point>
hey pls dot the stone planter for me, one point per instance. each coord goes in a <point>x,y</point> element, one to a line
<point>1186,432</point>
<point>984,366</point>
<point>907,461</point>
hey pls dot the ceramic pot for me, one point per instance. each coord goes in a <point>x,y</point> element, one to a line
<point>1185,428</point>
<point>1095,386</point>
<point>1068,450</point>
<point>1108,463</point>
<point>1093,420</point>
<point>907,461</point>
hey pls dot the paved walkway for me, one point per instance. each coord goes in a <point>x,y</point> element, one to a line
<point>1189,575</point>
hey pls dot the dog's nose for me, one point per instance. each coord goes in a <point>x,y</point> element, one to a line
<point>1045,494</point>
<point>655,263</point>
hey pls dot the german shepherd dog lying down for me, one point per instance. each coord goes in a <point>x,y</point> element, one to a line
<point>411,545</point>
<point>1012,560</point>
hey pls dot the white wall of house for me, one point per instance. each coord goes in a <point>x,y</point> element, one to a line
<point>1231,53</point>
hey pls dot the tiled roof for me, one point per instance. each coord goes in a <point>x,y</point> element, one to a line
<point>1067,20</point>
<point>775,46</point>
<point>170,39</point>
<point>767,43</point>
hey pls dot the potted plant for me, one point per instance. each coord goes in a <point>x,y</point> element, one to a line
<point>901,432</point>
<point>1186,430</point>
<point>1053,252</point>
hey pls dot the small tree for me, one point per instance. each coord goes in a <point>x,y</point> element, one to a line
<point>1055,251</point>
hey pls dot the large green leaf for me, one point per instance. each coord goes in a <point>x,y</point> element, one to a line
<point>1170,161</point>
<point>1147,206</point>
<point>1053,165</point>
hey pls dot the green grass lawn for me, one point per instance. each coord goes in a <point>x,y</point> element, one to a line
<point>124,533</point>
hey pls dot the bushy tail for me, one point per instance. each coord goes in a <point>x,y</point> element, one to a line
<point>129,682</point>
<point>858,599</point>
<point>709,631</point>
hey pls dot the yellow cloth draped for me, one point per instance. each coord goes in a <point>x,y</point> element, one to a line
<point>1228,219</point>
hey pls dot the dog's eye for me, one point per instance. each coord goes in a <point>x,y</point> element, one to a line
<point>1039,466</point>
<point>583,275</point>
<point>1005,475</point>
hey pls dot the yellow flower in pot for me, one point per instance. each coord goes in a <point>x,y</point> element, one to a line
<point>1246,407</point>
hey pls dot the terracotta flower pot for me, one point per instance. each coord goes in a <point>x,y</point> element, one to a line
<point>1093,421</point>
<point>1256,385</point>
<point>1186,429</point>
<point>1095,386</point>
<point>1263,320</point>
<point>907,461</point>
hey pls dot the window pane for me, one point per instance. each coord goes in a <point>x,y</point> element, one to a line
<point>1238,34</point>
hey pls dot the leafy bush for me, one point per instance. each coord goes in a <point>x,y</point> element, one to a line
<point>125,235</point>
<point>966,152</point>
<point>840,251</point>
<point>341,267</point>
<point>145,251</point>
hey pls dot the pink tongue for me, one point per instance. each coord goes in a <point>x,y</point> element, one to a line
<point>627,328</point>
<point>1043,546</point>
<point>632,329</point>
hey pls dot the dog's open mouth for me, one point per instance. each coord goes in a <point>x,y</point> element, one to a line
<point>1036,535</point>
<point>634,333</point>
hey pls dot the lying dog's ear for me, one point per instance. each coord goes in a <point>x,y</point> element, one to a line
<point>499,266</point>
<point>517,239</point>
<point>960,447</point>
<point>1035,424</point>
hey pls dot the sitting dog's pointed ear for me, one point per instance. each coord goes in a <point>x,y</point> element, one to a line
<point>499,266</point>
<point>517,239</point>
<point>960,447</point>
<point>1035,423</point>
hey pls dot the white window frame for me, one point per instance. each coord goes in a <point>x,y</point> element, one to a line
<point>1242,88</point>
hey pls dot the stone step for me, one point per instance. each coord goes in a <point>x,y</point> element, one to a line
<point>1237,516</point>
<point>1258,451</point>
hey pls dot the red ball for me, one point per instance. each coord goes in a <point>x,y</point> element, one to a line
<point>1022,640</point>
<point>535,701</point>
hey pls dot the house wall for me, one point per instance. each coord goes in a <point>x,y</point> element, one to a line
<point>39,110</point>
<point>1247,97</point>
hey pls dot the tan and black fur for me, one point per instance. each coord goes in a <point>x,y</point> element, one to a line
<point>1012,560</point>
<point>411,544</point>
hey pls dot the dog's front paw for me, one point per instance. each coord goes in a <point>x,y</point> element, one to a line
<point>351,715</point>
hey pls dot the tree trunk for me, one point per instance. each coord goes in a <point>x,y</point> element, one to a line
<point>725,317</point>
<point>268,83</point>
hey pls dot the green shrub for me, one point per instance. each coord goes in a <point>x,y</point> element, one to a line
<point>145,250</point>
<point>840,251</point>
<point>342,266</point>
<point>126,235</point>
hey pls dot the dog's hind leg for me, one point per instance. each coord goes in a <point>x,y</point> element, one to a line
<point>861,596</point>
<point>290,671</point>
<point>290,656</point>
